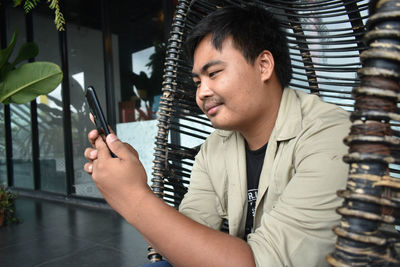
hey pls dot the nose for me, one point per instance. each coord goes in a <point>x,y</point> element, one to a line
<point>204,91</point>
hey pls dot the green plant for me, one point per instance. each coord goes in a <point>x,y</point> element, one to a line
<point>21,83</point>
<point>53,4</point>
<point>7,204</point>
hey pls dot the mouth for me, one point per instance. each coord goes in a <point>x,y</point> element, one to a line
<point>211,107</point>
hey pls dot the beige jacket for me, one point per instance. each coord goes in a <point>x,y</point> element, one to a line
<point>302,171</point>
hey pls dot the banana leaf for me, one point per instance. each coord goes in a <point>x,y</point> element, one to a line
<point>28,81</point>
<point>6,53</point>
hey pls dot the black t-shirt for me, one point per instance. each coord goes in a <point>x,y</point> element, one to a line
<point>254,163</point>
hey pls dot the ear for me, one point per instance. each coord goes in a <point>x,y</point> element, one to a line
<point>266,64</point>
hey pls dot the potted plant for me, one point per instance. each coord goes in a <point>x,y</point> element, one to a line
<point>20,83</point>
<point>7,203</point>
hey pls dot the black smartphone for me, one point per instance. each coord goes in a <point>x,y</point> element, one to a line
<point>98,115</point>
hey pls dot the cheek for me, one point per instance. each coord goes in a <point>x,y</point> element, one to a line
<point>226,84</point>
<point>199,102</point>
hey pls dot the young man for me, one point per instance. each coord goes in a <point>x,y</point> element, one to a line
<point>271,169</point>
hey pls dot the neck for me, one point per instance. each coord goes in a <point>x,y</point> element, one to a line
<point>259,131</point>
<point>260,134</point>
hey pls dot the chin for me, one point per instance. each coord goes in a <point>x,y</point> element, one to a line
<point>223,122</point>
<point>222,126</point>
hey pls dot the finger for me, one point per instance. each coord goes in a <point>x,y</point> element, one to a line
<point>110,129</point>
<point>92,136</point>
<point>102,149</point>
<point>91,117</point>
<point>130,148</point>
<point>88,167</point>
<point>108,126</point>
<point>122,150</point>
<point>90,153</point>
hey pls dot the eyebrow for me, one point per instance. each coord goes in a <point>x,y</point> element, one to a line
<point>207,66</point>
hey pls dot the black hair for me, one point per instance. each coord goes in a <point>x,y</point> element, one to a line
<point>253,30</point>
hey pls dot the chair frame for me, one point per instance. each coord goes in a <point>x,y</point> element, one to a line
<point>316,50</point>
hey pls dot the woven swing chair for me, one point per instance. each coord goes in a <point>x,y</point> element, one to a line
<point>344,51</point>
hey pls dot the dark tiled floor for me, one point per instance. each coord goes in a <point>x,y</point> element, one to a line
<point>60,234</point>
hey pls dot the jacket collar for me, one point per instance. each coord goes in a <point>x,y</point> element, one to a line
<point>288,122</point>
<point>287,126</point>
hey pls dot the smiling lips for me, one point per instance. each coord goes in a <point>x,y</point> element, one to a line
<point>211,106</point>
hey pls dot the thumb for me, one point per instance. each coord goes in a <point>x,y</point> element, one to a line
<point>116,146</point>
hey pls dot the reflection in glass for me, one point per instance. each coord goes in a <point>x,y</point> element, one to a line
<point>22,145</point>
<point>50,112</point>
<point>86,67</point>
<point>147,70</point>
<point>3,168</point>
<point>20,114</point>
<point>141,53</point>
<point>52,159</point>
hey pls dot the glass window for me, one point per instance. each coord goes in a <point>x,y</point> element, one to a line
<point>137,35</point>
<point>3,167</point>
<point>22,145</point>
<point>20,114</point>
<point>49,109</point>
<point>86,67</point>
<point>141,49</point>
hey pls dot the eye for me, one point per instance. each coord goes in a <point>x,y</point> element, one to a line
<point>213,73</point>
<point>197,83</point>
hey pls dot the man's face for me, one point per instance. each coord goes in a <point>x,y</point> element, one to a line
<point>230,91</point>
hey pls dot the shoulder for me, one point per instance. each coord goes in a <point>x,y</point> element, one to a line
<point>300,112</point>
<point>317,125</point>
<point>313,109</point>
<point>217,139</point>
<point>323,128</point>
<point>220,144</point>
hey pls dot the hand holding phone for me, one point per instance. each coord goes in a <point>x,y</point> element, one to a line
<point>98,115</point>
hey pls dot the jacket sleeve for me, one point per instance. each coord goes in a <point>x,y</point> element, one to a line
<point>201,202</point>
<point>297,231</point>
